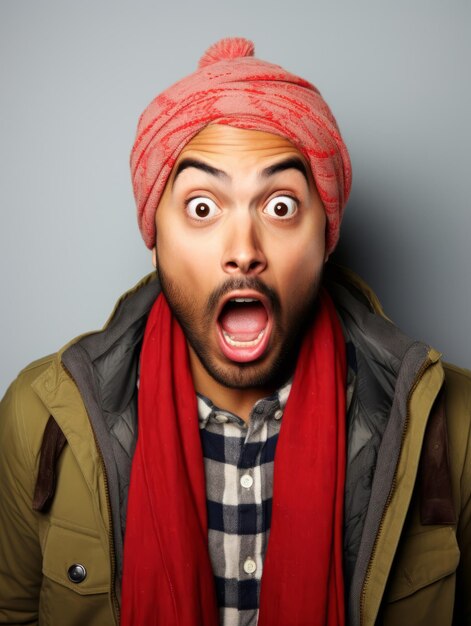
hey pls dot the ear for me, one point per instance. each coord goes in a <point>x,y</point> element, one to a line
<point>154,257</point>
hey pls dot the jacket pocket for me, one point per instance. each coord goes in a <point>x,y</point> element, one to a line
<point>423,559</point>
<point>76,560</point>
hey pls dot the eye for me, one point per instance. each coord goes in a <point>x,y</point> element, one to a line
<point>201,208</point>
<point>281,207</point>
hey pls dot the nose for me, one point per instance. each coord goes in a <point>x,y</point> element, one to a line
<point>243,252</point>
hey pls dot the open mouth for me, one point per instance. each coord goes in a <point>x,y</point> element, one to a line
<point>244,326</point>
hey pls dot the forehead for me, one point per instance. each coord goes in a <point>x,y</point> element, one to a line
<point>218,142</point>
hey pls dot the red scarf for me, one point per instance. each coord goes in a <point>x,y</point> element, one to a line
<point>167,578</point>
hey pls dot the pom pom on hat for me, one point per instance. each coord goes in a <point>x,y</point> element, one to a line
<point>228,48</point>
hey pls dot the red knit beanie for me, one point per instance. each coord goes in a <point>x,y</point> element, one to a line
<point>233,87</point>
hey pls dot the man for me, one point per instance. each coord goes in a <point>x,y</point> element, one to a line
<point>249,439</point>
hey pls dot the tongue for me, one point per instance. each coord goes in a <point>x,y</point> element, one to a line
<point>243,321</point>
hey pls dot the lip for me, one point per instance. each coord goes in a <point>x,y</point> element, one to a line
<point>249,353</point>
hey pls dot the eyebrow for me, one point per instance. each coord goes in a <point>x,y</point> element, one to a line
<point>291,163</point>
<point>199,165</point>
<point>294,163</point>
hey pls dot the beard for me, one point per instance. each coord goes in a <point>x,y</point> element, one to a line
<point>277,364</point>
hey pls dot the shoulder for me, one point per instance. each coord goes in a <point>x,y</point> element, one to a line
<point>458,397</point>
<point>458,419</point>
<point>23,415</point>
<point>21,395</point>
<point>458,380</point>
<point>29,373</point>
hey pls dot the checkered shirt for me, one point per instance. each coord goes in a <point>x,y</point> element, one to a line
<point>238,458</point>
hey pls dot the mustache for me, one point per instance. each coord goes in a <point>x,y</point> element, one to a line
<point>232,284</point>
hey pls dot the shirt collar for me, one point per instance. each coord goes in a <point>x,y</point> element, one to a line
<point>272,406</point>
<point>207,411</point>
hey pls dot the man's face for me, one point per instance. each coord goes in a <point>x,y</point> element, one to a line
<point>240,249</point>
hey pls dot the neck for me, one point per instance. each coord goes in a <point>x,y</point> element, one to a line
<point>237,401</point>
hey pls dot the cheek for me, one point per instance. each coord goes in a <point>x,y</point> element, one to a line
<point>298,263</point>
<point>300,273</point>
<point>187,260</point>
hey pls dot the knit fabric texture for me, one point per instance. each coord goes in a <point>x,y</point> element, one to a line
<point>233,87</point>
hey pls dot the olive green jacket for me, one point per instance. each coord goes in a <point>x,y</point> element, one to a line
<point>408,485</point>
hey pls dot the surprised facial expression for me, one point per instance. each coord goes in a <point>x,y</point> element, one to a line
<point>240,249</point>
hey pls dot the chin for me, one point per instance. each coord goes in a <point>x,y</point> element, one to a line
<point>269,372</point>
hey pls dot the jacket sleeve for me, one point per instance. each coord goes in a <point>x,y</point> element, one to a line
<point>20,553</point>
<point>460,386</point>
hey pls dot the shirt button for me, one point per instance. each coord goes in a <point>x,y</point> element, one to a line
<point>76,573</point>
<point>250,566</point>
<point>246,481</point>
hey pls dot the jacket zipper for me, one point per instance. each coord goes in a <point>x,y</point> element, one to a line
<point>114,599</point>
<point>425,365</point>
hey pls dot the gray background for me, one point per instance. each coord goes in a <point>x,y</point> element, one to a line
<point>75,76</point>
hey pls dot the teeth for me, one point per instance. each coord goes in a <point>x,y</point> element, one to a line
<point>243,344</point>
<point>243,300</point>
